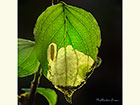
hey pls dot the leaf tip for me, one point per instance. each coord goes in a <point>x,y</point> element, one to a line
<point>68,98</point>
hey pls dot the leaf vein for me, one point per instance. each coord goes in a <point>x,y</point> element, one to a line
<point>46,17</point>
<point>86,47</point>
<point>82,24</point>
<point>27,56</point>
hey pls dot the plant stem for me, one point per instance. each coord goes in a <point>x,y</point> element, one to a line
<point>52,2</point>
<point>55,1</point>
<point>34,85</point>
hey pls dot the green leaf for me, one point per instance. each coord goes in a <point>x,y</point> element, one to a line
<point>27,60</point>
<point>64,25</point>
<point>67,41</point>
<point>49,94</point>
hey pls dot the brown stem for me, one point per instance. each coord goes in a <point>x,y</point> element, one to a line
<point>34,85</point>
<point>55,2</point>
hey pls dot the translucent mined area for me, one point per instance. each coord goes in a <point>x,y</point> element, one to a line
<point>68,68</point>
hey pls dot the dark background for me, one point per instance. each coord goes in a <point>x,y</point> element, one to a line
<point>106,81</point>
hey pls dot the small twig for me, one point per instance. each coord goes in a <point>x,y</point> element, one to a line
<point>52,2</point>
<point>34,86</point>
<point>55,1</point>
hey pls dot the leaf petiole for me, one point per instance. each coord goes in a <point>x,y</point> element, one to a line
<point>34,85</point>
<point>53,2</point>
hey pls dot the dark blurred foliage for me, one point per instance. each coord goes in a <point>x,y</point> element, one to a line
<point>106,81</point>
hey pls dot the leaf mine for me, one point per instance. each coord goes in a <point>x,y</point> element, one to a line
<point>68,78</point>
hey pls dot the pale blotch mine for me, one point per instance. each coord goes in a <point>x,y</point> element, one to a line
<point>70,70</point>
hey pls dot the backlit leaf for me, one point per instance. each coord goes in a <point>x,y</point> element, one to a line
<point>67,41</point>
<point>49,94</point>
<point>27,60</point>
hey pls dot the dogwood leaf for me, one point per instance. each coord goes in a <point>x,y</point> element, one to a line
<point>67,41</point>
<point>64,25</point>
<point>49,94</point>
<point>27,60</point>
